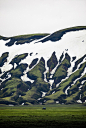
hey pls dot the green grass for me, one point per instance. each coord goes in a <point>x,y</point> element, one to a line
<point>33,116</point>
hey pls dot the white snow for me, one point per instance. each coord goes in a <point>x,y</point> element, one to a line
<point>83,81</point>
<point>53,71</point>
<point>22,104</point>
<point>1,88</point>
<point>79,101</point>
<point>67,90</point>
<point>25,78</point>
<point>71,41</point>
<point>80,87</point>
<point>53,92</point>
<point>43,93</point>
<point>39,99</point>
<point>47,69</point>
<point>83,73</point>
<point>57,102</point>
<point>11,105</point>
<point>51,82</point>
<point>85,101</point>
<point>15,65</point>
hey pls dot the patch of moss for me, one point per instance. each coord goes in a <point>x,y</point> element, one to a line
<point>72,99</point>
<point>21,39</point>
<point>76,86</point>
<point>0,71</point>
<point>4,101</point>
<point>60,90</point>
<point>33,63</point>
<point>52,62</point>
<point>58,35</point>
<point>3,38</point>
<point>78,62</point>
<point>18,58</point>
<point>37,71</point>
<point>36,91</point>
<point>61,57</point>
<point>83,92</point>
<point>3,58</point>
<point>18,71</point>
<point>61,71</point>
<point>50,102</point>
<point>12,89</point>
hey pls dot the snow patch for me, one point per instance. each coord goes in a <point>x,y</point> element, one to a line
<point>79,101</point>
<point>22,104</point>
<point>51,83</point>
<point>67,90</point>
<point>43,93</point>
<point>57,102</point>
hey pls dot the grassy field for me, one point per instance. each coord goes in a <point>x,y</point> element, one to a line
<point>69,116</point>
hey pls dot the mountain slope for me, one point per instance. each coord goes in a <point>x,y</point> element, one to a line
<point>44,68</point>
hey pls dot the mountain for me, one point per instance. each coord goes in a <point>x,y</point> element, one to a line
<point>44,68</point>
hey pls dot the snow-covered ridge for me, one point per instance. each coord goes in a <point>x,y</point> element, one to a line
<point>72,41</point>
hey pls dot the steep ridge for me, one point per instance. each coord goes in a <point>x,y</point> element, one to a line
<point>51,63</point>
<point>61,71</point>
<point>44,73</point>
<point>57,35</point>
<point>22,39</point>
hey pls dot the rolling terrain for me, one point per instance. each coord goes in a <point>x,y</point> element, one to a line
<point>44,68</point>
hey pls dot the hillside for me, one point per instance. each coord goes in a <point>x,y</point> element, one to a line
<point>44,68</point>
